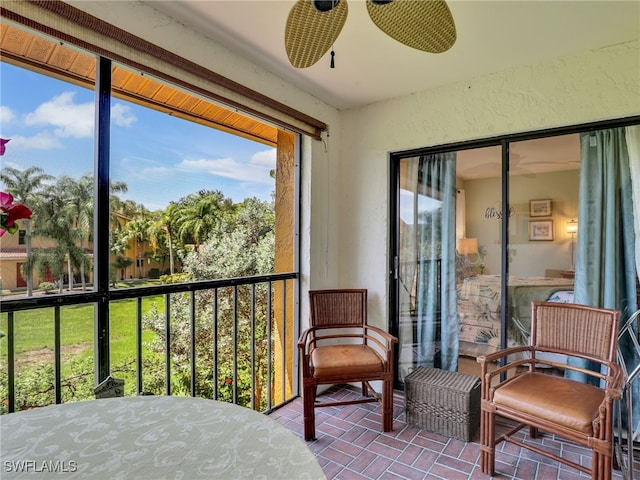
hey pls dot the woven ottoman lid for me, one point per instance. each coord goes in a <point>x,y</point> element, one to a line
<point>459,382</point>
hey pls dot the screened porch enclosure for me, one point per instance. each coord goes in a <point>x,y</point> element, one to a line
<point>153,308</point>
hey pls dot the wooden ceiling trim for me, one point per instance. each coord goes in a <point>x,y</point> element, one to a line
<point>66,23</point>
<point>45,56</point>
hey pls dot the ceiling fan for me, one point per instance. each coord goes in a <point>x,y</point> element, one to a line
<point>314,25</point>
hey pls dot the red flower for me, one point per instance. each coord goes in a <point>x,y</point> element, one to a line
<point>10,212</point>
<point>3,142</point>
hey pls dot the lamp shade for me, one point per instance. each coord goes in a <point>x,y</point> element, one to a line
<point>572,226</point>
<point>467,246</point>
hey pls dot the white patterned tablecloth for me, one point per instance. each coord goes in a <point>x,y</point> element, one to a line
<point>151,438</point>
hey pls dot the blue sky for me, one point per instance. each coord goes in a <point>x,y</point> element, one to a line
<point>161,158</point>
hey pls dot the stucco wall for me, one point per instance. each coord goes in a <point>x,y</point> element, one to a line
<point>591,86</point>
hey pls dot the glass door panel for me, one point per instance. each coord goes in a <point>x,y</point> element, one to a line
<point>447,270</point>
<point>411,203</point>
<point>479,211</point>
<point>544,179</point>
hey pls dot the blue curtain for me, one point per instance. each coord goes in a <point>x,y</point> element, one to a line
<point>605,259</point>
<point>437,316</point>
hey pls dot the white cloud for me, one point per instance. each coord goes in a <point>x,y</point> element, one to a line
<point>121,115</point>
<point>7,116</point>
<point>69,119</point>
<point>41,141</point>
<point>75,120</point>
<point>254,171</point>
<point>140,168</point>
<point>266,158</point>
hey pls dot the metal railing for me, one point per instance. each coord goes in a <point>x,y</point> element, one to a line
<point>247,328</point>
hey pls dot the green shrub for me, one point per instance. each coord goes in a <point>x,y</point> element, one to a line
<point>175,278</point>
<point>47,287</point>
<point>154,273</point>
<point>34,382</point>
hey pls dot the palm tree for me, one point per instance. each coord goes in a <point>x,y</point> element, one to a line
<point>138,229</point>
<point>55,221</point>
<point>79,208</point>
<point>201,213</point>
<point>122,263</point>
<point>24,185</point>
<point>119,207</point>
<point>165,226</point>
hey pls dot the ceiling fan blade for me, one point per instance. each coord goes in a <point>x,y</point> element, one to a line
<point>423,24</point>
<point>309,33</point>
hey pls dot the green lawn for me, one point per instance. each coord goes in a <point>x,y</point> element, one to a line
<point>34,338</point>
<point>33,329</point>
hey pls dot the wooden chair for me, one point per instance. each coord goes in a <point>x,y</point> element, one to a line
<point>566,408</point>
<point>339,347</point>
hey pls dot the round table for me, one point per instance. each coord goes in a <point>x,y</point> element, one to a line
<point>151,438</point>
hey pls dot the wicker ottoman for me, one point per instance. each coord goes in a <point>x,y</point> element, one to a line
<point>443,402</point>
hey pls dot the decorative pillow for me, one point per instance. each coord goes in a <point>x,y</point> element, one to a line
<point>561,296</point>
<point>464,269</point>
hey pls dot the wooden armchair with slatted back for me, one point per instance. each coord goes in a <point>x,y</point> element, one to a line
<point>339,347</point>
<point>530,396</point>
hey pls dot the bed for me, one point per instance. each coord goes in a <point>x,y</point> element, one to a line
<point>479,309</point>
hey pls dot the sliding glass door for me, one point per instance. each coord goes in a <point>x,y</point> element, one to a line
<point>425,264</point>
<point>419,266</point>
<point>462,283</point>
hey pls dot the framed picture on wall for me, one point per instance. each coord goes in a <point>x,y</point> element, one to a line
<point>540,208</point>
<point>540,230</point>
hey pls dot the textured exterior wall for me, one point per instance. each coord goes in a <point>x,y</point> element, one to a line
<point>284,259</point>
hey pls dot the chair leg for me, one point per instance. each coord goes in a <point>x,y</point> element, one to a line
<point>387,405</point>
<point>601,466</point>
<point>365,390</point>
<point>487,442</point>
<point>309,412</point>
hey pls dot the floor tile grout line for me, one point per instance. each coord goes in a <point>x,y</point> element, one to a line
<point>364,422</point>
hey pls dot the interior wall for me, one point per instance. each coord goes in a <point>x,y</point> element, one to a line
<point>590,86</point>
<point>528,258</point>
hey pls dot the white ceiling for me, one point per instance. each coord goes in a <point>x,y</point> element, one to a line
<point>371,66</point>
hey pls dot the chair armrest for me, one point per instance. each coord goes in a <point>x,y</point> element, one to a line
<point>390,339</point>
<point>381,341</point>
<point>615,381</point>
<point>377,337</point>
<point>304,337</point>
<point>306,343</point>
<point>488,376</point>
<point>492,357</point>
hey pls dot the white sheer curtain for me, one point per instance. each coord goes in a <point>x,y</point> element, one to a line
<point>436,287</point>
